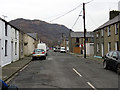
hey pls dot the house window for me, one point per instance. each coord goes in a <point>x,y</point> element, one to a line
<point>109,46</point>
<point>15,48</point>
<point>86,39</point>
<point>109,31</point>
<point>5,29</point>
<point>97,47</point>
<point>102,32</point>
<point>116,28</point>
<point>77,40</point>
<point>15,34</point>
<point>92,39</point>
<point>97,34</point>
<point>116,45</point>
<point>5,47</point>
<point>102,49</point>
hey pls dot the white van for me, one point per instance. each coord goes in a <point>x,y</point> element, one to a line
<point>62,49</point>
<point>42,46</point>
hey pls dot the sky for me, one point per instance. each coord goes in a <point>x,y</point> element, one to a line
<point>97,11</point>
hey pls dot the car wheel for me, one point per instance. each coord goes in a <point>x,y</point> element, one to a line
<point>44,58</point>
<point>105,65</point>
<point>33,58</point>
<point>118,69</point>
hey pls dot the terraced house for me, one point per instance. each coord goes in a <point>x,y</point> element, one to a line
<point>76,42</point>
<point>107,36</point>
<point>14,43</point>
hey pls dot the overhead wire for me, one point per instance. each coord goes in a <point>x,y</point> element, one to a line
<point>80,14</point>
<point>77,19</point>
<point>89,2</point>
<point>66,13</point>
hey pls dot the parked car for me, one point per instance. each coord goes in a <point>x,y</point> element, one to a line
<point>56,49</point>
<point>38,53</point>
<point>112,61</point>
<point>42,46</point>
<point>62,50</point>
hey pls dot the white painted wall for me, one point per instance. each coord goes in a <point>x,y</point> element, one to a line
<point>14,57</point>
<point>11,40</point>
<point>5,59</point>
<point>0,40</point>
<point>89,48</point>
<point>0,52</point>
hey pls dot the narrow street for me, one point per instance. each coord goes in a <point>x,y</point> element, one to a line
<point>61,70</point>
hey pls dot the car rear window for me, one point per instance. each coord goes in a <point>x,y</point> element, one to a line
<point>39,50</point>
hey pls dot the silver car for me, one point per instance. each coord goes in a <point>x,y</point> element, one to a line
<point>38,53</point>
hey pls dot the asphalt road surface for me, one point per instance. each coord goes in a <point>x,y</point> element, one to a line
<point>61,70</point>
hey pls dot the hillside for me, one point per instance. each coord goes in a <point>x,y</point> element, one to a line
<point>49,33</point>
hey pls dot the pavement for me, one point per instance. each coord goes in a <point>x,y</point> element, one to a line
<point>11,69</point>
<point>87,57</point>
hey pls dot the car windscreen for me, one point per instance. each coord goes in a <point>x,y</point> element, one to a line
<point>39,50</point>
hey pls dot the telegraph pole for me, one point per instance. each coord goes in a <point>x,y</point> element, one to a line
<point>84,30</point>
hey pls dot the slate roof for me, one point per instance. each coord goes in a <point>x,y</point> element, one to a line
<point>112,21</point>
<point>33,35</point>
<point>81,34</point>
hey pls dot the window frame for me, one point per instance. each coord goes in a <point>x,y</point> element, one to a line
<point>116,28</point>
<point>6,31</point>
<point>102,32</point>
<point>97,47</point>
<point>6,47</point>
<point>109,31</point>
<point>109,46</point>
<point>15,48</point>
<point>15,34</point>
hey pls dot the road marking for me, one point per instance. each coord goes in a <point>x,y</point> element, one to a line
<point>77,72</point>
<point>23,68</point>
<point>11,78</point>
<point>91,85</point>
<point>50,58</point>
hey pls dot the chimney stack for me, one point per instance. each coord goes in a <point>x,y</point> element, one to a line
<point>113,14</point>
